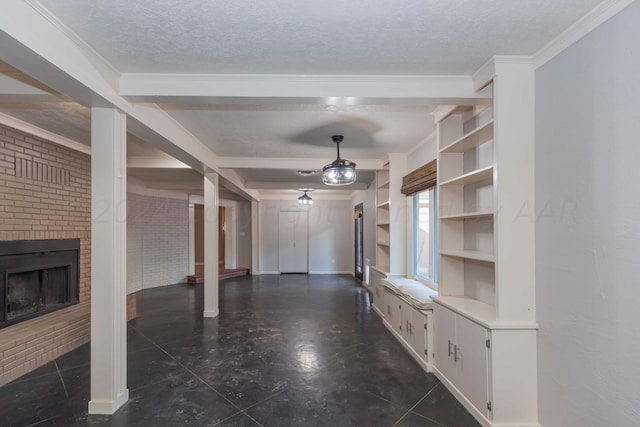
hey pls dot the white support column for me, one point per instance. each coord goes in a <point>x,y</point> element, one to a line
<point>108,261</point>
<point>255,238</point>
<point>211,205</point>
<point>192,239</point>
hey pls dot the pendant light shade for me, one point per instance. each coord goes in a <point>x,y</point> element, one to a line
<point>340,171</point>
<point>305,199</point>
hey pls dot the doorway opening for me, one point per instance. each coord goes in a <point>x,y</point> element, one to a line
<point>358,217</point>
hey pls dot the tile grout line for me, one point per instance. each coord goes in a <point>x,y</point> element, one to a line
<point>64,386</point>
<point>189,370</point>
<point>416,404</point>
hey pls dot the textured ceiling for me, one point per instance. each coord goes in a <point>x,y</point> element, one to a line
<point>305,131</point>
<point>314,37</point>
<point>356,37</point>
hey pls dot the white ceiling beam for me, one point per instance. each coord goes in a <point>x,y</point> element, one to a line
<point>265,185</point>
<point>329,89</point>
<point>139,162</point>
<point>291,163</point>
<point>289,195</point>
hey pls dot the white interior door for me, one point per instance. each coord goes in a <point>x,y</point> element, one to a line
<point>293,242</point>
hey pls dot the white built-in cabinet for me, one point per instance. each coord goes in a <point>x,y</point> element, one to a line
<point>484,314</point>
<point>462,355</point>
<point>410,325</point>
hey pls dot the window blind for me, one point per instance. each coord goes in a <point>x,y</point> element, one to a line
<point>421,179</point>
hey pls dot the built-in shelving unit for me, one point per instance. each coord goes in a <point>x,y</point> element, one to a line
<point>484,313</point>
<point>383,235</point>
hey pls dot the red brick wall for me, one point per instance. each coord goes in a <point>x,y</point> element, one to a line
<point>45,193</point>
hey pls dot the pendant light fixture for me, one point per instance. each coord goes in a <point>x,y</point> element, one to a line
<point>340,171</point>
<point>305,199</point>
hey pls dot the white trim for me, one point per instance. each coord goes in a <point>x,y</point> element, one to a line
<point>105,68</point>
<point>196,199</point>
<point>289,196</point>
<point>483,76</point>
<point>318,185</point>
<point>211,313</point>
<point>269,272</point>
<point>141,162</point>
<point>23,126</point>
<point>150,192</point>
<point>344,89</point>
<point>331,272</point>
<point>108,407</point>
<point>291,163</point>
<point>589,22</point>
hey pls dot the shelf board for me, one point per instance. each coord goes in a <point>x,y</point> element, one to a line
<point>470,308</point>
<point>471,140</point>
<point>384,204</point>
<point>384,184</point>
<point>383,242</point>
<point>383,224</point>
<point>469,215</point>
<point>479,312</point>
<point>475,255</point>
<point>384,269</point>
<point>471,177</point>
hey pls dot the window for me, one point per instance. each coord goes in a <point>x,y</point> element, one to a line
<point>425,266</point>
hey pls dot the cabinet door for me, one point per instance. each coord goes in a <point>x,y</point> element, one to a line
<point>390,309</point>
<point>472,363</point>
<point>444,324</point>
<point>398,317</point>
<point>378,289</point>
<point>419,333</point>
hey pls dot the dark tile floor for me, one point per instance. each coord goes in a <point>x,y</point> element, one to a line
<point>290,350</point>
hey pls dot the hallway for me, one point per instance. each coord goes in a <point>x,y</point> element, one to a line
<point>286,350</point>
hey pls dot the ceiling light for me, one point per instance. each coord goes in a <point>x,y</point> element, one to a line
<point>305,199</point>
<point>304,172</point>
<point>340,171</point>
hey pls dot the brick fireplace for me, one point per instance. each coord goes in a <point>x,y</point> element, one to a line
<point>45,195</point>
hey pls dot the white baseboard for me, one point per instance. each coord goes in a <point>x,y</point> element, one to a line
<point>108,407</point>
<point>330,272</point>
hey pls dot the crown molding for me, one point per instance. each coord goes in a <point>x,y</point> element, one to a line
<point>593,19</point>
<point>11,121</point>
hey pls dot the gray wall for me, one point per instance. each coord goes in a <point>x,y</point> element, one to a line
<point>588,228</point>
<point>330,237</point>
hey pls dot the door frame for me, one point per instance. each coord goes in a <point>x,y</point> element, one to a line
<point>358,213</point>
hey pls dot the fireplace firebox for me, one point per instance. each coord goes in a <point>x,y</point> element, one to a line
<point>37,277</point>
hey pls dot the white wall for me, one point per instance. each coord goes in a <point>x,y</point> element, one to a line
<point>588,228</point>
<point>368,199</point>
<point>423,153</point>
<point>157,241</point>
<point>330,237</point>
